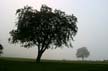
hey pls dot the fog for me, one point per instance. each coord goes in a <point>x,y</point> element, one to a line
<point>92,28</point>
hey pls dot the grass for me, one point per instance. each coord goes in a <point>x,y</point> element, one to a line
<point>20,64</point>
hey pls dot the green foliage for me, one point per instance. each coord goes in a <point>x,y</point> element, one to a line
<point>43,27</point>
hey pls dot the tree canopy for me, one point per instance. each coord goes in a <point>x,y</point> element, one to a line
<point>82,53</point>
<point>44,28</point>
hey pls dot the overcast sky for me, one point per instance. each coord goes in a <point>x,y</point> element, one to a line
<point>92,23</point>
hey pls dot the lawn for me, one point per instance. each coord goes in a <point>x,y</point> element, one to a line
<point>16,64</point>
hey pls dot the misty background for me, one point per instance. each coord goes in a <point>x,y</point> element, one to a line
<point>92,28</point>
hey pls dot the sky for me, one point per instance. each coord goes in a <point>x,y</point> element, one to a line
<point>92,28</point>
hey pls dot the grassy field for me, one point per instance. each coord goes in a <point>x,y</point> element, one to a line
<point>19,64</point>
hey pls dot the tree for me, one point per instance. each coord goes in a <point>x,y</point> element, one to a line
<point>1,49</point>
<point>45,28</point>
<point>82,53</point>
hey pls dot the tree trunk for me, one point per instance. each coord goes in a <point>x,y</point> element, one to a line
<point>40,52</point>
<point>39,56</point>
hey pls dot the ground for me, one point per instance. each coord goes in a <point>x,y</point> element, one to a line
<point>21,64</point>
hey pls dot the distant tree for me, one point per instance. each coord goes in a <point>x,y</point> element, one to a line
<point>1,49</point>
<point>82,53</point>
<point>44,29</point>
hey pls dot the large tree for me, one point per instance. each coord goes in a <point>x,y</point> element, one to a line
<point>44,28</point>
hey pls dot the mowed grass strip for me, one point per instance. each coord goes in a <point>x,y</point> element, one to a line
<point>10,65</point>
